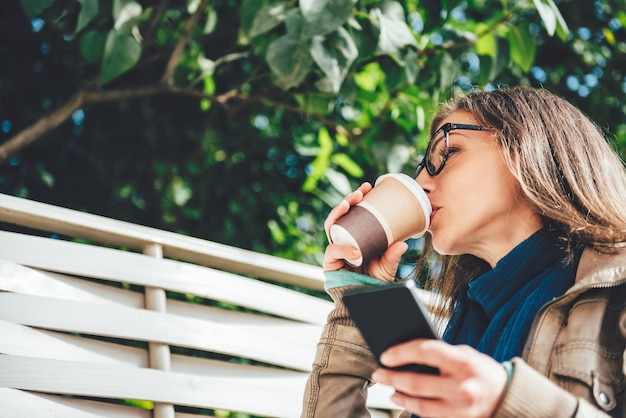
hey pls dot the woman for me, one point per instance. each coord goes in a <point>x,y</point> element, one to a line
<point>527,235</point>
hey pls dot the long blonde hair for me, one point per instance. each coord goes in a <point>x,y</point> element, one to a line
<point>566,170</point>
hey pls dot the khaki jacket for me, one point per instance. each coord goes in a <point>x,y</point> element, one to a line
<point>572,366</point>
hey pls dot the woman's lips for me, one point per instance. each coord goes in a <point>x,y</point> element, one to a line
<point>433,213</point>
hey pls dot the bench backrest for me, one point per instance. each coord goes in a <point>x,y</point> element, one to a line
<point>141,322</point>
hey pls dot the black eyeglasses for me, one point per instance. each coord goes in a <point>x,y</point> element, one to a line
<point>438,148</point>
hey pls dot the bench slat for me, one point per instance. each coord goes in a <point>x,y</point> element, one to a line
<point>248,341</point>
<point>106,230</point>
<point>23,340</point>
<point>267,397</point>
<point>30,281</point>
<point>109,264</point>
<point>264,395</point>
<point>20,404</point>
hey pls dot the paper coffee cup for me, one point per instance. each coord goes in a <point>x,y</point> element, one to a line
<point>396,209</point>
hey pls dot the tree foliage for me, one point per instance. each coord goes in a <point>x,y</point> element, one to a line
<point>244,121</point>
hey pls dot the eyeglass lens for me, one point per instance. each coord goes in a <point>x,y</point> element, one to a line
<point>437,151</point>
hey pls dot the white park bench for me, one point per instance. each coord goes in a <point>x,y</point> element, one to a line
<point>121,320</point>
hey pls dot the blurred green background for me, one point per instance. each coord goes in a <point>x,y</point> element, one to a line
<point>244,122</point>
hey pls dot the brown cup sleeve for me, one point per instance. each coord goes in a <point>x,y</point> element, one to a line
<point>366,231</point>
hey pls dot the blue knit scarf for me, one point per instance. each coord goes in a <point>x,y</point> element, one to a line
<point>495,312</point>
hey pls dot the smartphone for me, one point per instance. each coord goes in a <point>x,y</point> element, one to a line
<point>391,314</point>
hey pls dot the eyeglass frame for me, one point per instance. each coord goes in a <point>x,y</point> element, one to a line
<point>446,128</point>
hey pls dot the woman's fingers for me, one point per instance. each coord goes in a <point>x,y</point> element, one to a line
<point>386,266</point>
<point>335,256</point>
<point>470,384</point>
<point>337,212</point>
<point>393,255</point>
<point>344,206</point>
<point>434,353</point>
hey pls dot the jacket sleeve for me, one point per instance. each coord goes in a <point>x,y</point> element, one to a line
<point>343,365</point>
<point>531,394</point>
<point>337,386</point>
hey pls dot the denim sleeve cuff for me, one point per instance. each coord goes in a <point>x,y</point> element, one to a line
<point>342,278</point>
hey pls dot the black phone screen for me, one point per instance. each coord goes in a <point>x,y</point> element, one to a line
<point>391,314</point>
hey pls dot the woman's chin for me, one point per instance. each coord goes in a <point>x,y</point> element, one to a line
<point>445,246</point>
<point>442,247</point>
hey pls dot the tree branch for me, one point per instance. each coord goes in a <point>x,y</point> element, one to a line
<point>43,125</point>
<point>182,41</point>
<point>226,58</point>
<point>84,98</point>
<point>157,14</point>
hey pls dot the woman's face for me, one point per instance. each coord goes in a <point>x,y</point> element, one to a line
<point>477,208</point>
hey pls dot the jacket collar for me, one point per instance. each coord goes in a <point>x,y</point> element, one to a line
<point>597,268</point>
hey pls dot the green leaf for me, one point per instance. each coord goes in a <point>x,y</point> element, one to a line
<point>334,55</point>
<point>92,46</point>
<point>394,31</point>
<point>490,66</point>
<point>126,13</point>
<point>121,53</point>
<point>139,403</point>
<point>546,12</point>
<point>448,72</point>
<point>208,88</point>
<point>342,140</point>
<point>621,17</point>
<point>277,234</point>
<point>487,69</point>
<point>365,36</point>
<point>88,11</point>
<point>370,77</point>
<point>122,50</point>
<point>348,164</point>
<point>290,60</point>
<point>411,66</point>
<point>211,21</point>
<point>320,104</point>
<point>320,164</point>
<point>522,46</point>
<point>324,16</point>
<point>486,44</point>
<point>293,23</point>
<point>45,176</point>
<point>268,17</point>
<point>339,181</point>
<point>247,12</point>
<point>562,30</point>
<point>34,8</point>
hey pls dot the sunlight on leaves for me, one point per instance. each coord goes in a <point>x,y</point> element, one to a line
<point>290,60</point>
<point>268,18</point>
<point>88,11</point>
<point>125,13</point>
<point>121,53</point>
<point>324,16</point>
<point>334,56</point>
<point>394,32</point>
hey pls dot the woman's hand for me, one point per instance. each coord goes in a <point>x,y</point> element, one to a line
<point>471,384</point>
<point>383,268</point>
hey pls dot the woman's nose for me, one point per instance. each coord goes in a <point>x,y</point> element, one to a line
<point>425,180</point>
